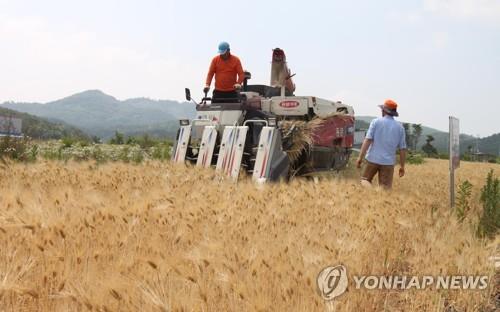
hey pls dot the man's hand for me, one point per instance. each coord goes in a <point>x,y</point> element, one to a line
<point>364,148</point>
<point>359,161</point>
<point>401,172</point>
<point>206,89</point>
<point>237,86</point>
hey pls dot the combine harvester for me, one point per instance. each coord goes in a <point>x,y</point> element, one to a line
<point>267,132</point>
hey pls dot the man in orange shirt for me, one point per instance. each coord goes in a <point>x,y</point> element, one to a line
<point>225,67</point>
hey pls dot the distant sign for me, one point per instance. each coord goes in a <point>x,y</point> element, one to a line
<point>454,143</point>
<point>10,125</point>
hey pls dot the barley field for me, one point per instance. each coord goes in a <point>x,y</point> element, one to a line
<point>82,236</point>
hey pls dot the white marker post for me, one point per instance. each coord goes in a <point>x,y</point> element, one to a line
<point>454,150</point>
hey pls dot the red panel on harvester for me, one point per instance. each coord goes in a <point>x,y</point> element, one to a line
<point>335,131</point>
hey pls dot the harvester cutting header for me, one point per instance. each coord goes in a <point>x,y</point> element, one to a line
<point>265,130</point>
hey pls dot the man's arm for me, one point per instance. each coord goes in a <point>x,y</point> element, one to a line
<point>402,152</point>
<point>241,73</point>
<point>211,73</point>
<point>366,144</point>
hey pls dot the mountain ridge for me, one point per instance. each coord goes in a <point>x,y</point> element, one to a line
<point>101,114</point>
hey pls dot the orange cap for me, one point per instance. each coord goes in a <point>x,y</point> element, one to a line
<point>390,104</point>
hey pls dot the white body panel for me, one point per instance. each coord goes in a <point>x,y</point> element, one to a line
<point>207,147</point>
<point>324,108</point>
<point>226,144</point>
<point>182,144</point>
<point>289,105</point>
<point>226,117</point>
<point>300,105</point>
<point>237,151</point>
<point>266,105</point>
<point>231,150</point>
<point>262,159</point>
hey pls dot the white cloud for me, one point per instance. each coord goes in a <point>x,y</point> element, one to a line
<point>48,62</point>
<point>482,9</point>
<point>440,39</point>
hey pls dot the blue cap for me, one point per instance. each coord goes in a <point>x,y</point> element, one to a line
<point>223,47</point>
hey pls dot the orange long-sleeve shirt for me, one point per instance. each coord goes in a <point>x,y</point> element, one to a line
<point>225,72</point>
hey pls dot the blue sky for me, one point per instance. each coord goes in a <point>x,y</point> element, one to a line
<point>434,57</point>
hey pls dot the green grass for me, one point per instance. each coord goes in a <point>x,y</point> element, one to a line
<point>81,150</point>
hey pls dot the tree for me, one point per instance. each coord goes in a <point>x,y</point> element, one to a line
<point>146,141</point>
<point>118,139</point>
<point>131,140</point>
<point>417,132</point>
<point>428,148</point>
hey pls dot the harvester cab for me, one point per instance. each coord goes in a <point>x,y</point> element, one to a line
<point>267,131</point>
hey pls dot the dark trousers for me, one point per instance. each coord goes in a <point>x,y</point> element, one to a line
<point>224,96</point>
